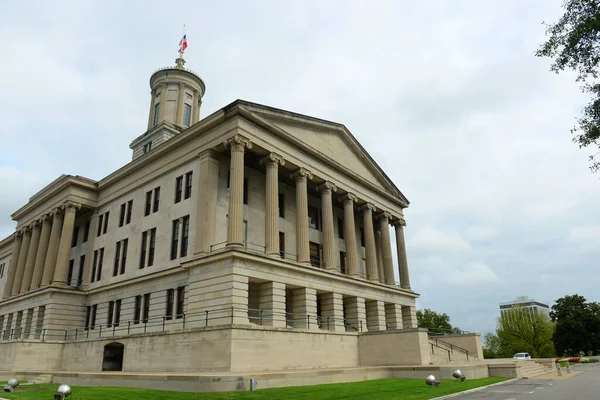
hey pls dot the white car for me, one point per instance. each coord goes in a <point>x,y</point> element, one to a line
<point>522,356</point>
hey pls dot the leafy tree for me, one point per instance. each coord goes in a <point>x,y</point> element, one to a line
<point>577,325</point>
<point>518,330</point>
<point>574,43</point>
<point>491,347</point>
<point>436,323</point>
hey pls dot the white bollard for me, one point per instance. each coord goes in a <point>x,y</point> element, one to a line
<point>568,368</point>
<point>558,369</point>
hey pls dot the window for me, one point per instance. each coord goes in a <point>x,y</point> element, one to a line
<point>137,310</point>
<point>143,249</point>
<point>129,211</point>
<point>111,310</point>
<point>313,217</point>
<point>1,270</point>
<point>70,272</point>
<point>117,312</point>
<point>146,311</point>
<point>152,246</point>
<point>246,191</point>
<point>87,317</point>
<point>185,235</point>
<point>187,114</point>
<point>100,260</point>
<point>281,205</point>
<point>81,265</point>
<point>188,96</point>
<point>122,214</point>
<point>180,302</point>
<point>315,254</point>
<point>117,258</point>
<point>93,316</point>
<point>343,262</point>
<point>147,147</point>
<point>170,300</point>
<point>178,188</point>
<point>124,256</point>
<point>75,236</point>
<point>175,239</point>
<point>100,217</point>
<point>93,277</point>
<point>282,244</point>
<point>188,185</point>
<point>148,203</point>
<point>86,232</point>
<point>156,199</point>
<point>362,237</point>
<point>340,228</point>
<point>105,222</point>
<point>156,109</point>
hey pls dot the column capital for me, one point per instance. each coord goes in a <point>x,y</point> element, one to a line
<point>238,143</point>
<point>302,174</point>
<point>399,222</point>
<point>327,187</point>
<point>272,160</point>
<point>33,224</point>
<point>44,217</point>
<point>25,230</point>
<point>384,215</point>
<point>69,206</point>
<point>181,85</point>
<point>368,207</point>
<point>163,85</point>
<point>55,211</point>
<point>351,197</point>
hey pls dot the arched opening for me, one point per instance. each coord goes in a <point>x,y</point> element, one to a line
<point>113,357</point>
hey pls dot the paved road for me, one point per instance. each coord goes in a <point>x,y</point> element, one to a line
<point>585,385</point>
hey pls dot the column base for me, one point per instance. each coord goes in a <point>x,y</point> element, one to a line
<point>235,245</point>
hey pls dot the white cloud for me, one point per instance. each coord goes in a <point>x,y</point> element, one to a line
<point>430,240</point>
<point>471,274</point>
<point>480,233</point>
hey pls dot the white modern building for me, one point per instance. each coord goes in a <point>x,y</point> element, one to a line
<point>534,306</point>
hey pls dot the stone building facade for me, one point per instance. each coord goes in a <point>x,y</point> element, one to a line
<point>224,239</point>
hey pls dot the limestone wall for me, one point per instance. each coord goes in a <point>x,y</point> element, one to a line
<point>402,347</point>
<point>30,356</point>
<point>470,342</point>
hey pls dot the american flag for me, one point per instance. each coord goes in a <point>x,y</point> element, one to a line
<point>183,44</point>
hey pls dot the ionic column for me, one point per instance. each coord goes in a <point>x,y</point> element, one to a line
<point>50,263</point>
<point>89,251</point>
<point>401,248</point>
<point>302,176</point>
<point>235,221</point>
<point>64,248</point>
<point>31,256</point>
<point>371,252</point>
<point>208,180</point>
<point>329,251</point>
<point>380,274</point>
<point>350,234</point>
<point>386,248</point>
<point>163,102</point>
<point>16,286</point>
<point>151,113</point>
<point>12,268</point>
<point>272,162</point>
<point>38,267</point>
<point>179,117</point>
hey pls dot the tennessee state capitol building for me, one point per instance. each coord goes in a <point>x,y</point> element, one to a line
<point>255,238</point>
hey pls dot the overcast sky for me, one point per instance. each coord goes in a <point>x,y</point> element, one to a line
<point>446,96</point>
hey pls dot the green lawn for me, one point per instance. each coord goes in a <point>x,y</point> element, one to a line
<point>408,389</point>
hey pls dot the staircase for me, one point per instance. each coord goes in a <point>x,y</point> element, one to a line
<point>442,352</point>
<point>531,369</point>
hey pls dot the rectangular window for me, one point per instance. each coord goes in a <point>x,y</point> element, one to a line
<point>187,114</point>
<point>313,217</point>
<point>86,232</point>
<point>340,228</point>
<point>70,272</point>
<point>137,310</point>
<point>156,109</point>
<point>185,235</point>
<point>146,312</point>
<point>100,260</point>
<point>143,249</point>
<point>362,237</point>
<point>124,256</point>
<point>188,185</point>
<point>94,264</point>
<point>148,203</point>
<point>117,257</point>
<point>343,262</point>
<point>315,254</point>
<point>75,236</point>
<point>170,300</point>
<point>117,312</point>
<point>152,246</point>
<point>129,211</point>
<point>109,316</point>
<point>188,96</point>
<point>175,239</point>
<point>105,222</point>
<point>281,206</point>
<point>100,218</point>
<point>87,317</point>
<point>147,147</point>
<point>246,191</point>
<point>93,316</point>
<point>122,215</point>
<point>178,188</point>
<point>282,244</point>
<point>81,265</point>
<point>156,199</point>
<point>180,302</point>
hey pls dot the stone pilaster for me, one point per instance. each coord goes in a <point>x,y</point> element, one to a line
<point>64,247</point>
<point>350,235</point>
<point>305,308</point>
<point>356,314</point>
<point>235,221</point>
<point>386,248</point>
<point>393,315</point>
<point>89,251</point>
<point>379,256</point>
<point>329,250</point>
<point>16,286</point>
<point>196,107</point>
<point>36,230</point>
<point>333,312</point>
<point>180,100</point>
<point>402,260</point>
<point>272,303</point>
<point>50,263</point>
<point>409,317</point>
<point>208,180</point>
<point>375,315</point>
<point>163,103</point>
<point>12,269</point>
<point>302,239</point>
<point>370,250</point>
<point>151,113</point>
<point>272,162</point>
<point>38,268</point>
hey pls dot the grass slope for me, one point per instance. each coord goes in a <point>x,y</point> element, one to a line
<point>381,389</point>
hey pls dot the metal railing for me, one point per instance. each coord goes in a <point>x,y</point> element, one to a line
<point>447,344</point>
<point>433,346</point>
